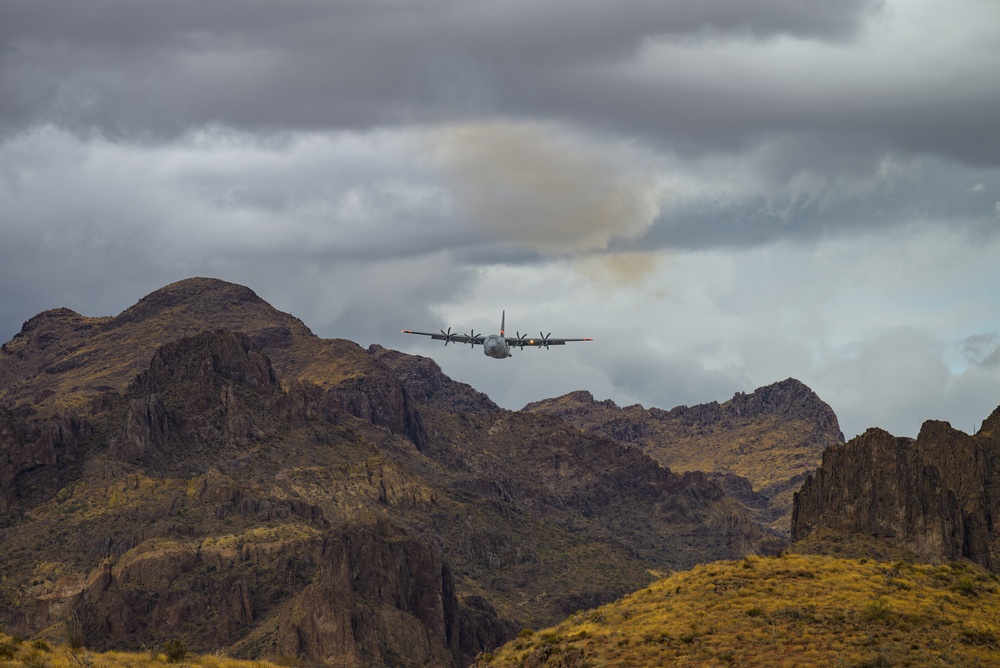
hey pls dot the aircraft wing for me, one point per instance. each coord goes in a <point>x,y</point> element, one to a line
<point>541,341</point>
<point>449,336</point>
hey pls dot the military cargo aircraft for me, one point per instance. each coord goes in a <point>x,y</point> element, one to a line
<point>497,346</point>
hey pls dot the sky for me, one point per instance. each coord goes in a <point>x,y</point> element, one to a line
<point>722,194</point>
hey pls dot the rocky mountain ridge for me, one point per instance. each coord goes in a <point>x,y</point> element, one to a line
<point>772,438</point>
<point>932,498</point>
<point>209,469</point>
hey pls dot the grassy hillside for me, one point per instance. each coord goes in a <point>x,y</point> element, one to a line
<point>39,653</point>
<point>793,610</point>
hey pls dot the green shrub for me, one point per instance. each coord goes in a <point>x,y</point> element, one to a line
<point>978,637</point>
<point>965,586</point>
<point>175,649</point>
<point>877,611</point>
<point>35,660</point>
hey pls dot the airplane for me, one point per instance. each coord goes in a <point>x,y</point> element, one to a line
<point>497,346</point>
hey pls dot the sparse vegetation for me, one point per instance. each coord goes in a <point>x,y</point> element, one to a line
<point>40,653</point>
<point>793,610</point>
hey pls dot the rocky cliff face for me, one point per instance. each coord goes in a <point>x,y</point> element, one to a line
<point>743,436</point>
<point>772,437</point>
<point>935,497</point>
<point>380,597</point>
<point>35,455</point>
<point>208,395</point>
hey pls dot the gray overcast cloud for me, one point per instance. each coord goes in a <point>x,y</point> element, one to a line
<point>724,194</point>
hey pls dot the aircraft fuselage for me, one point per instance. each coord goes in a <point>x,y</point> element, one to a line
<point>496,346</point>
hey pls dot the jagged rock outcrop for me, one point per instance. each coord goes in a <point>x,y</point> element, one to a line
<point>382,401</point>
<point>210,393</point>
<point>35,454</point>
<point>936,496</point>
<point>380,596</point>
<point>424,380</point>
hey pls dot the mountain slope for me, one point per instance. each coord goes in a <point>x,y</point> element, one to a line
<point>61,359</point>
<point>790,611</point>
<point>203,466</point>
<point>772,437</point>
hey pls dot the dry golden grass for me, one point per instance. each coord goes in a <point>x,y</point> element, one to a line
<point>793,610</point>
<point>16,652</point>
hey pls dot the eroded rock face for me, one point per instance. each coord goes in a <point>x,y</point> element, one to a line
<point>772,437</point>
<point>424,380</point>
<point>378,595</point>
<point>935,496</point>
<point>211,392</point>
<point>384,402</point>
<point>169,589</point>
<point>34,453</point>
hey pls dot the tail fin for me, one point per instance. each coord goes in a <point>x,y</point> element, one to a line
<point>503,315</point>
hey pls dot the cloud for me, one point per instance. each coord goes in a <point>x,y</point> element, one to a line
<point>533,185</point>
<point>139,70</point>
<point>982,350</point>
<point>723,193</point>
<point>617,270</point>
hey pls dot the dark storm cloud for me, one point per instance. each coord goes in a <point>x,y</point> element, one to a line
<point>161,67</point>
<point>724,194</point>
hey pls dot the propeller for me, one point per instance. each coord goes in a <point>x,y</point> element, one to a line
<point>472,338</point>
<point>448,336</point>
<point>545,339</point>
<point>520,340</point>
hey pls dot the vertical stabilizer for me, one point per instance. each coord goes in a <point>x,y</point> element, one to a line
<point>503,315</point>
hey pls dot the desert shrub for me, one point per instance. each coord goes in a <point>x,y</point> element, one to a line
<point>74,631</point>
<point>754,612</point>
<point>35,659</point>
<point>550,638</point>
<point>877,611</point>
<point>41,645</point>
<point>965,586</point>
<point>978,637</point>
<point>175,649</point>
<point>7,650</point>
<point>526,633</point>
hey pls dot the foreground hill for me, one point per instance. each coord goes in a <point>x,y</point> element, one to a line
<point>16,651</point>
<point>772,437</point>
<point>203,467</point>
<point>790,611</point>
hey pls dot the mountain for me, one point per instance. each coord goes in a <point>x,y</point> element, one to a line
<point>772,437</point>
<point>932,498</point>
<point>793,610</point>
<point>203,467</point>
